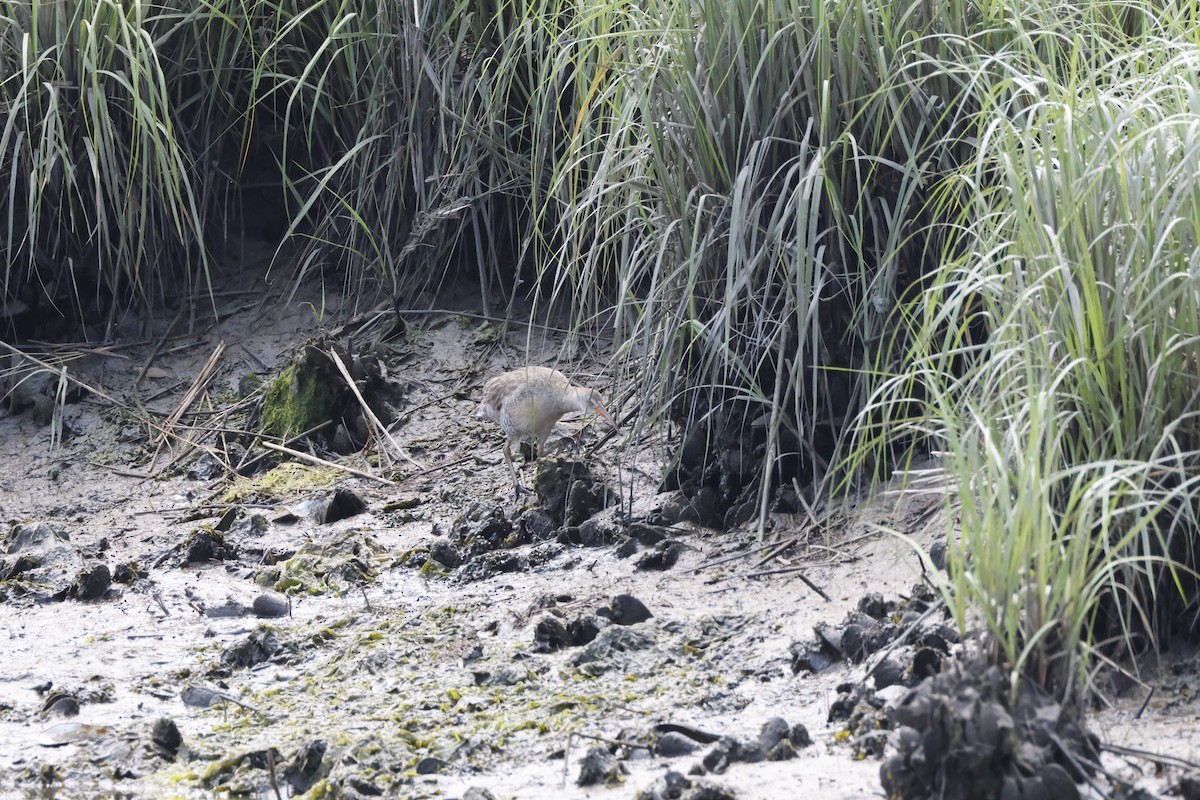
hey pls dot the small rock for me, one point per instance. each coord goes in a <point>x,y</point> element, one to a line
<point>774,731</point>
<point>42,557</point>
<point>507,676</point>
<point>675,508</point>
<point>625,609</point>
<point>445,554</point>
<point>165,734</point>
<point>343,504</point>
<point>663,557</point>
<point>206,468</point>
<point>305,767</point>
<point>93,582</point>
<point>254,649</point>
<point>937,554</point>
<point>601,654</point>
<point>227,519</point>
<point>722,755</point>
<point>648,535</point>
<point>599,766</point>
<point>537,525</point>
<point>34,537</point>
<point>782,751</point>
<point>873,605</point>
<point>808,657</point>
<point>1059,785</point>
<point>206,545</point>
<point>585,499</point>
<point>860,639</point>
<point>270,605</point>
<point>627,548</point>
<point>1189,786</point>
<point>672,744</point>
<point>707,503</point>
<point>740,514</point>
<point>582,630</point>
<point>62,704</point>
<point>798,735</point>
<point>430,765</point>
<point>476,793</point>
<point>890,672</point>
<point>927,662</point>
<point>595,533</point>
<point>127,572</point>
<point>229,609</point>
<point>550,634</point>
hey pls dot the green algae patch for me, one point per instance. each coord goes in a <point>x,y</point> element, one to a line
<point>283,481</point>
<point>301,398</point>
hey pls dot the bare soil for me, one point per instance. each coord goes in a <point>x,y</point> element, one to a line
<point>396,677</point>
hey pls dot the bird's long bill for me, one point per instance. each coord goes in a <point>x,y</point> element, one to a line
<point>600,410</point>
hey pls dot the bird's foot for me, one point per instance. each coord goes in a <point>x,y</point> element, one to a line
<point>519,490</point>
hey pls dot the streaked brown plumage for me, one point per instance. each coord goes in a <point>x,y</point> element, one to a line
<point>526,403</point>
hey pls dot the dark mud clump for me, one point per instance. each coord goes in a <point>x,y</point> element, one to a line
<point>337,561</point>
<point>963,734</point>
<point>906,641</point>
<point>777,741</point>
<point>484,540</point>
<point>262,645</point>
<point>569,493</point>
<point>719,468</point>
<point>42,563</point>
<point>677,786</point>
<point>551,633</point>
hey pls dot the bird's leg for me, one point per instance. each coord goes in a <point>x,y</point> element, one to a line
<point>517,487</point>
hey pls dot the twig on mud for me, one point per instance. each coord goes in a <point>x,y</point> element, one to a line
<point>1155,758</point>
<point>410,412</point>
<point>798,569</point>
<point>369,413</point>
<point>784,545</point>
<point>158,599</point>
<point>437,468</point>
<point>231,699</point>
<point>606,740</point>
<point>73,380</point>
<point>123,471</point>
<point>1142,708</point>
<point>198,385</point>
<point>386,305</point>
<point>324,463</point>
<point>366,600</point>
<point>736,556</point>
<point>271,773</point>
<point>200,507</point>
<point>252,463</point>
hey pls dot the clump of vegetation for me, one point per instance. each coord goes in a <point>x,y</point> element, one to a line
<point>298,400</point>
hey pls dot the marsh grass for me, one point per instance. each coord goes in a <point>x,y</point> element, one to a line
<point>1052,356</point>
<point>876,228</point>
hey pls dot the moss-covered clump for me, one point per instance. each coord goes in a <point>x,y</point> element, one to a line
<point>302,397</point>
